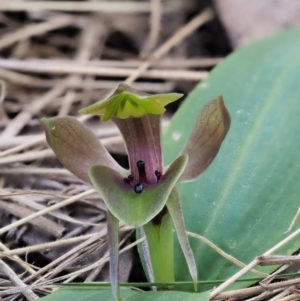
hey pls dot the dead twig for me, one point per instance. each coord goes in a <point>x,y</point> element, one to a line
<point>182,33</point>
<point>34,29</point>
<point>251,265</point>
<point>28,293</point>
<point>96,6</point>
<point>40,222</point>
<point>251,291</point>
<point>17,259</point>
<point>71,67</point>
<point>46,210</point>
<point>155,24</point>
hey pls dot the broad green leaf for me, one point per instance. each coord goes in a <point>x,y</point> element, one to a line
<point>206,138</point>
<point>131,208</point>
<point>247,198</point>
<point>98,294</point>
<point>127,102</point>
<point>86,294</point>
<point>169,296</point>
<point>76,146</point>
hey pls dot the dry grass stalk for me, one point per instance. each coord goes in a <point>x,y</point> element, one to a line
<point>70,68</point>
<point>182,33</point>
<point>28,293</point>
<point>252,264</point>
<point>72,6</point>
<point>40,222</point>
<point>17,259</point>
<point>47,210</point>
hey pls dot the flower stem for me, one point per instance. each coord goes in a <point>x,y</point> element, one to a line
<point>160,242</point>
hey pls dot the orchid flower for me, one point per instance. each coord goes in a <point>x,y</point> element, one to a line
<point>145,195</point>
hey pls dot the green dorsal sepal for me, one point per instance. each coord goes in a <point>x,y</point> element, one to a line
<point>127,102</point>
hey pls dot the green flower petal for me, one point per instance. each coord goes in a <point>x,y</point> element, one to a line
<point>113,244</point>
<point>127,102</point>
<point>206,138</point>
<point>129,107</point>
<point>77,147</point>
<point>131,208</point>
<point>175,210</point>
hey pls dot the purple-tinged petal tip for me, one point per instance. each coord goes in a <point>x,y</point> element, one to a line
<point>76,147</point>
<point>206,138</point>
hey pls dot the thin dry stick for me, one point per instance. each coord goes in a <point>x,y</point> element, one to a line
<point>155,26</point>
<point>91,277</point>
<point>17,259</point>
<point>262,296</point>
<point>50,67</point>
<point>93,239</point>
<point>34,29</point>
<point>88,84</point>
<point>182,33</point>
<point>21,140</point>
<point>89,38</point>
<point>46,246</point>
<point>100,6</point>
<point>104,132</point>
<point>283,294</point>
<point>2,90</point>
<point>81,255</point>
<point>250,291</point>
<point>65,256</point>
<point>78,230</point>
<point>224,254</point>
<point>167,63</point>
<point>294,220</point>
<point>22,146</point>
<point>28,293</point>
<point>15,126</point>
<point>22,79</point>
<point>95,264</point>
<point>293,297</point>
<point>82,252</point>
<point>52,172</point>
<point>58,215</point>
<point>110,144</point>
<point>278,259</point>
<point>96,271</point>
<point>83,270</point>
<point>272,276</point>
<point>28,156</point>
<point>251,265</point>
<point>22,118</point>
<point>47,210</point>
<point>171,63</point>
<point>41,222</point>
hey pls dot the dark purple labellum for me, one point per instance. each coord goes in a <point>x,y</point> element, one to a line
<point>138,188</point>
<point>158,174</point>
